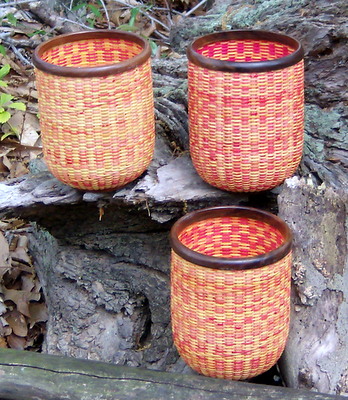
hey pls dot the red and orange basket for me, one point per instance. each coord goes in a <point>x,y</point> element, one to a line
<point>245,108</point>
<point>230,290</point>
<point>96,107</point>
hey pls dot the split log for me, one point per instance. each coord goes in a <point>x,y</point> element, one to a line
<point>316,353</point>
<point>29,376</point>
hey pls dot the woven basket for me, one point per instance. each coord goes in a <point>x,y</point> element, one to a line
<point>245,108</point>
<point>230,290</point>
<point>96,107</point>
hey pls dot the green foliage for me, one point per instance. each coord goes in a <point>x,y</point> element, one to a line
<point>153,46</point>
<point>7,105</point>
<point>11,19</point>
<point>130,27</point>
<point>39,32</point>
<point>87,9</point>
<point>4,70</point>
<point>2,50</point>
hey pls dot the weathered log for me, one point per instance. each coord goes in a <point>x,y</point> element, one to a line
<point>29,376</point>
<point>315,356</point>
<point>112,265</point>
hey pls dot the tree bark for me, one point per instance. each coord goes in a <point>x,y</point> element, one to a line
<point>315,356</point>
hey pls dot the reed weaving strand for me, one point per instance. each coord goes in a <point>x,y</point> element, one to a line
<point>230,324</point>
<point>246,129</point>
<point>97,132</point>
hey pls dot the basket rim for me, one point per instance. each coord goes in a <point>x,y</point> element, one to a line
<point>222,263</point>
<point>243,66</point>
<point>86,72</point>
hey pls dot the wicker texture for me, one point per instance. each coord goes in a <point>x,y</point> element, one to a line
<point>97,132</point>
<point>246,129</point>
<point>230,324</point>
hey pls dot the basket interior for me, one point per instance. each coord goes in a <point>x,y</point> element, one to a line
<point>245,50</point>
<point>91,52</point>
<point>231,237</point>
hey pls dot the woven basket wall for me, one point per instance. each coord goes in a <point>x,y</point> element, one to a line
<point>230,323</point>
<point>96,108</point>
<point>245,109</point>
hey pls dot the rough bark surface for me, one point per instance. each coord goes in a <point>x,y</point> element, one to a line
<point>315,356</point>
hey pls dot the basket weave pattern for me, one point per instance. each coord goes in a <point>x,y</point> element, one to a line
<point>91,53</point>
<point>245,51</point>
<point>246,129</point>
<point>97,132</point>
<point>230,324</point>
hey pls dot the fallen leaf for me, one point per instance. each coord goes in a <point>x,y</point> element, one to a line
<point>38,313</point>
<point>21,298</point>
<point>31,127</point>
<point>12,224</point>
<point>28,283</point>
<point>5,329</point>
<point>4,255</point>
<point>7,163</point>
<point>17,323</point>
<point>11,276</point>
<point>3,308</point>
<point>16,342</point>
<point>21,255</point>
<point>4,150</point>
<point>3,343</point>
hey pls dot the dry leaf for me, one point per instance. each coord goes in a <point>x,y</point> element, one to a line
<point>10,278</point>
<point>21,298</point>
<point>148,30</point>
<point>3,308</point>
<point>17,323</point>
<point>5,149</point>
<point>12,223</point>
<point>21,255</point>
<point>38,313</point>
<point>4,255</point>
<point>3,169</point>
<point>3,343</point>
<point>38,285</point>
<point>6,162</point>
<point>5,329</point>
<point>16,342</point>
<point>31,127</point>
<point>28,283</point>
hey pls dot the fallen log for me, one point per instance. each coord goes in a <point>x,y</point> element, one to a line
<point>33,376</point>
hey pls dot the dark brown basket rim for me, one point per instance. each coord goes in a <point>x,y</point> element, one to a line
<point>241,263</point>
<point>86,72</point>
<point>246,67</point>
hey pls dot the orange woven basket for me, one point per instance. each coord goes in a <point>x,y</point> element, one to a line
<point>245,108</point>
<point>230,290</point>
<point>96,107</point>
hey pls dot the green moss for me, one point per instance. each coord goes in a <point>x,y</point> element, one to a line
<point>322,125</point>
<point>249,15</point>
